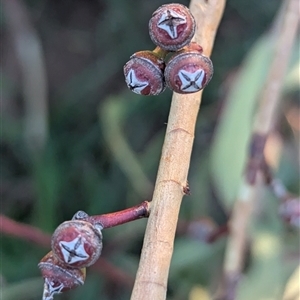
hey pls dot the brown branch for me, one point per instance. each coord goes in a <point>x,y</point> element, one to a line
<point>152,275</point>
<point>271,93</point>
<point>24,232</point>
<point>139,211</point>
<point>287,24</point>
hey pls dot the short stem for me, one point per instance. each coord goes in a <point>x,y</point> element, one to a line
<point>117,218</point>
<point>161,53</point>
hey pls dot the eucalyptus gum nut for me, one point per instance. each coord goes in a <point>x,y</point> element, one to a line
<point>172,26</point>
<point>144,73</point>
<point>77,243</point>
<point>58,277</point>
<point>188,71</point>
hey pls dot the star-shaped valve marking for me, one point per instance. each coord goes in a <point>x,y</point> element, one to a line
<point>73,251</point>
<point>134,83</point>
<point>191,82</point>
<point>169,22</point>
<point>50,289</point>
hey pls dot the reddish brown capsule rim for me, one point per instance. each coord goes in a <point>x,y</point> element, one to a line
<point>77,243</point>
<point>58,277</point>
<point>133,70</point>
<point>188,72</point>
<point>172,26</point>
<point>59,269</point>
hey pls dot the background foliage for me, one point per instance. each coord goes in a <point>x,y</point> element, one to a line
<point>103,146</point>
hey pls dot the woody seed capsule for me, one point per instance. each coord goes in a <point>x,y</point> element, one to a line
<point>188,71</point>
<point>77,243</point>
<point>58,277</point>
<point>144,73</point>
<point>172,26</point>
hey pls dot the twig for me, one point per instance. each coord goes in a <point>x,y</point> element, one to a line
<point>139,211</point>
<point>32,234</point>
<point>271,93</point>
<point>24,232</point>
<point>152,275</point>
<point>287,23</point>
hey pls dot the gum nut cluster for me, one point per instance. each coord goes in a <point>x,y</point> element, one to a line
<point>171,28</point>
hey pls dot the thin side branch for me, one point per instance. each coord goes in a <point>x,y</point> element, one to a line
<point>32,234</point>
<point>271,93</point>
<point>287,22</point>
<point>171,182</point>
<point>24,232</point>
<point>32,65</point>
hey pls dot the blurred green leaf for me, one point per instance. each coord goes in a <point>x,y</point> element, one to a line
<point>229,149</point>
<point>111,113</point>
<point>194,255</point>
<point>93,288</point>
<point>292,81</point>
<point>48,176</point>
<point>268,272</point>
<point>30,289</point>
